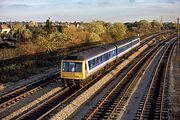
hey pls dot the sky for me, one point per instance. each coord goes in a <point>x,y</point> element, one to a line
<point>88,10</point>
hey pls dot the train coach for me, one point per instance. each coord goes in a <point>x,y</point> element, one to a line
<point>78,69</point>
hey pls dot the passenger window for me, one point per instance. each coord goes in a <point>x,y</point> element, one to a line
<point>93,62</point>
<point>109,55</point>
<point>90,64</point>
<point>114,53</point>
<point>106,56</point>
<point>96,61</point>
<point>101,58</point>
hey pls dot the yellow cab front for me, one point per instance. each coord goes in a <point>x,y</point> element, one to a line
<point>72,69</point>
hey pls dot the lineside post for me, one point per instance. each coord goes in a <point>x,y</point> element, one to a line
<point>178,30</point>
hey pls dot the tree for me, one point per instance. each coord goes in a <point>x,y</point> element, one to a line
<point>143,27</point>
<point>38,31</point>
<point>131,27</point>
<point>71,31</point>
<point>52,41</point>
<point>94,37</point>
<point>83,36</point>
<point>97,27</point>
<point>49,27</point>
<point>156,26</point>
<point>26,34</point>
<point>20,32</point>
<point>170,26</point>
<point>117,30</point>
<point>32,24</point>
<point>60,28</point>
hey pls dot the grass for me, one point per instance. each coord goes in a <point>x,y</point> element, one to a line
<point>17,64</point>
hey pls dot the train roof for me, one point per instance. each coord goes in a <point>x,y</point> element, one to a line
<point>124,41</point>
<point>87,54</point>
<point>90,53</point>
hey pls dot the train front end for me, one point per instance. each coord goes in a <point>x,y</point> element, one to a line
<point>72,72</point>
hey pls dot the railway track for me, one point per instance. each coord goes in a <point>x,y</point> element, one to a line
<point>154,104</point>
<point>45,109</point>
<point>60,100</point>
<point>114,102</point>
<point>20,93</point>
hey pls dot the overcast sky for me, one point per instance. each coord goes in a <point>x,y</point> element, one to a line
<point>88,10</point>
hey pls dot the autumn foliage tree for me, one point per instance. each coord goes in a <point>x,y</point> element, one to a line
<point>52,41</point>
<point>20,32</point>
<point>49,27</point>
<point>71,31</point>
<point>117,30</point>
<point>96,27</point>
<point>156,26</point>
<point>52,36</point>
<point>143,27</point>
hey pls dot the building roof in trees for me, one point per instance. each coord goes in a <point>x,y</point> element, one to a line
<point>3,26</point>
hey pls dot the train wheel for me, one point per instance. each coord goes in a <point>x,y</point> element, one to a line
<point>69,85</point>
<point>79,83</point>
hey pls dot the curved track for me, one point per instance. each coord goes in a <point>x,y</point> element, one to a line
<point>113,103</point>
<point>58,100</point>
<point>155,101</point>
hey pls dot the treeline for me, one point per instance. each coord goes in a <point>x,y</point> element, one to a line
<point>42,46</point>
<point>50,37</point>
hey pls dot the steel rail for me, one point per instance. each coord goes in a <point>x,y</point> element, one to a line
<point>68,98</point>
<point>114,89</point>
<point>163,100</point>
<point>62,102</point>
<point>151,87</point>
<point>24,91</point>
<point>132,85</point>
<point>73,93</point>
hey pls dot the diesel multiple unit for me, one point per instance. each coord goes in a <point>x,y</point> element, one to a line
<point>79,68</point>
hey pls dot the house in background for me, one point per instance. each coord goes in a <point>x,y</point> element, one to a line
<point>4,28</point>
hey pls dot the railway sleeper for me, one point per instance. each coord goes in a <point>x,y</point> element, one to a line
<point>3,106</point>
<point>156,117</point>
<point>147,111</point>
<point>146,116</point>
<point>141,103</point>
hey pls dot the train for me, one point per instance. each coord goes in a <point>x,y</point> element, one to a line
<point>80,68</point>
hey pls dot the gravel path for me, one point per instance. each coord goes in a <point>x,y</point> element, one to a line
<point>175,84</point>
<point>31,101</point>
